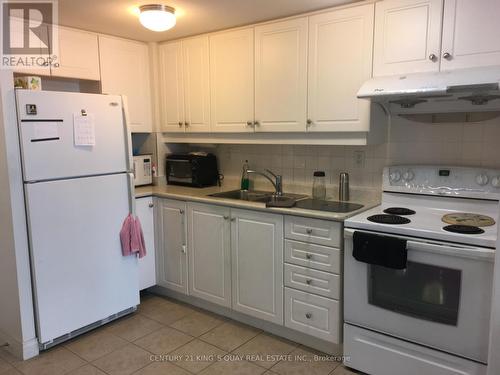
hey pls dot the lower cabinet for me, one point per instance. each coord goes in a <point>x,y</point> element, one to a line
<point>209,246</point>
<point>172,245</point>
<point>147,265</point>
<point>257,264</point>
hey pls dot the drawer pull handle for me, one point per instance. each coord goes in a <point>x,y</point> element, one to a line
<point>309,315</point>
<point>309,256</point>
<point>309,231</point>
<point>309,281</point>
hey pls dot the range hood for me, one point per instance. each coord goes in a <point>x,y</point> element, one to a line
<point>468,94</point>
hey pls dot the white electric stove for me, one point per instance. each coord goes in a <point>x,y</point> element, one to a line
<point>433,316</point>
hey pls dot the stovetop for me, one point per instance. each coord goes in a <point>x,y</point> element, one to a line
<point>426,222</point>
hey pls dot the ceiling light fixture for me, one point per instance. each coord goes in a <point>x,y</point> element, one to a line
<point>157,17</point>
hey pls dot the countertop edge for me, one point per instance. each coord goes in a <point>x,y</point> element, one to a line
<point>202,196</point>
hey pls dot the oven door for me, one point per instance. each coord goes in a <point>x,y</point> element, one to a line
<point>179,171</point>
<point>441,300</point>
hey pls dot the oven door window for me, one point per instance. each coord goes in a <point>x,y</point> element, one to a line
<point>421,290</point>
<point>180,169</point>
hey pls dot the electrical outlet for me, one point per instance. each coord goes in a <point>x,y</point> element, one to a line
<point>359,159</point>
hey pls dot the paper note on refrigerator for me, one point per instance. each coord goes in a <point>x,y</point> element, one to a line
<point>84,130</point>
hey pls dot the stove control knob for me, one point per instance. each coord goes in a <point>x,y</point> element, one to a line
<point>495,182</point>
<point>395,176</point>
<point>408,175</point>
<point>482,179</point>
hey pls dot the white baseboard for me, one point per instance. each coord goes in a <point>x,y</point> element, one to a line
<point>21,350</point>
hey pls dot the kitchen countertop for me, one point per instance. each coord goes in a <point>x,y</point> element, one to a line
<point>201,195</point>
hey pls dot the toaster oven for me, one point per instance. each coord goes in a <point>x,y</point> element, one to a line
<point>193,169</point>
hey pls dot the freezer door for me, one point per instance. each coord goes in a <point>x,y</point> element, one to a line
<point>47,130</point>
<point>79,273</point>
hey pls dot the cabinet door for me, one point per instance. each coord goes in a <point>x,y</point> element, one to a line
<point>281,76</point>
<point>257,264</point>
<point>147,265</point>
<point>232,81</point>
<point>196,84</point>
<point>209,253</point>
<point>340,61</point>
<point>407,36</point>
<point>17,41</point>
<point>78,55</point>
<point>470,34</point>
<point>125,70</point>
<point>171,87</point>
<point>171,249</point>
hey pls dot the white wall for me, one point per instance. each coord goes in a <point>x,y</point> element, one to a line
<point>16,307</point>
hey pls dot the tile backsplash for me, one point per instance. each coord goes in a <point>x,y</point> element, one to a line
<point>468,144</point>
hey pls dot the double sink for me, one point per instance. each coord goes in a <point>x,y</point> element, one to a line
<point>288,200</point>
<point>266,197</point>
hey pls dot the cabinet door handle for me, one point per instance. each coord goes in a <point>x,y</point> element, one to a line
<point>309,315</point>
<point>186,124</point>
<point>181,211</point>
<point>183,249</point>
<point>256,123</point>
<point>233,219</point>
<point>309,231</point>
<point>249,123</point>
<point>308,256</point>
<point>432,57</point>
<point>180,124</point>
<point>309,122</point>
<point>447,55</point>
<point>309,281</point>
<point>226,217</point>
<point>151,205</point>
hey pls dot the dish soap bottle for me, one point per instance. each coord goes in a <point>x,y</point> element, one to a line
<point>245,181</point>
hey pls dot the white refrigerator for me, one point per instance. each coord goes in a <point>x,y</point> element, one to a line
<point>78,190</point>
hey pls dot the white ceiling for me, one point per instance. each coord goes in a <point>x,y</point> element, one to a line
<point>117,17</point>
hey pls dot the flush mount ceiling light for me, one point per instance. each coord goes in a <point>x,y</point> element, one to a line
<point>157,17</point>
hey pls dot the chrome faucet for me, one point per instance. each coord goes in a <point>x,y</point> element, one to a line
<point>277,183</point>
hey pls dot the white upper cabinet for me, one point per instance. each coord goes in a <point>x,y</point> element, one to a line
<point>185,90</point>
<point>340,60</point>
<point>471,31</point>
<point>281,76</point>
<point>171,87</point>
<point>407,36</point>
<point>232,81</point>
<point>125,70</point>
<point>78,55</point>
<point>196,84</point>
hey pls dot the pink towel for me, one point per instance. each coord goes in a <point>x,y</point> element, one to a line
<point>132,237</point>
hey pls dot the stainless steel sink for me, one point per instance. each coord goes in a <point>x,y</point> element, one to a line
<point>243,195</point>
<point>267,197</point>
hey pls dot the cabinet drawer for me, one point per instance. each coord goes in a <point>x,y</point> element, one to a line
<point>322,232</point>
<point>312,281</point>
<point>313,256</point>
<point>313,315</point>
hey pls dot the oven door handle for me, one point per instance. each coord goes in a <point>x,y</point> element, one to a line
<point>453,250</point>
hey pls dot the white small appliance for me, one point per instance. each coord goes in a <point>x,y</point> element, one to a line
<point>143,170</point>
<point>433,316</point>
<point>78,190</point>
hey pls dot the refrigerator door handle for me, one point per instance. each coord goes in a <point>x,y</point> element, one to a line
<point>131,193</point>
<point>128,134</point>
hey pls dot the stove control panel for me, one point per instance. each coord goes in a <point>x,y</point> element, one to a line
<point>443,180</point>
